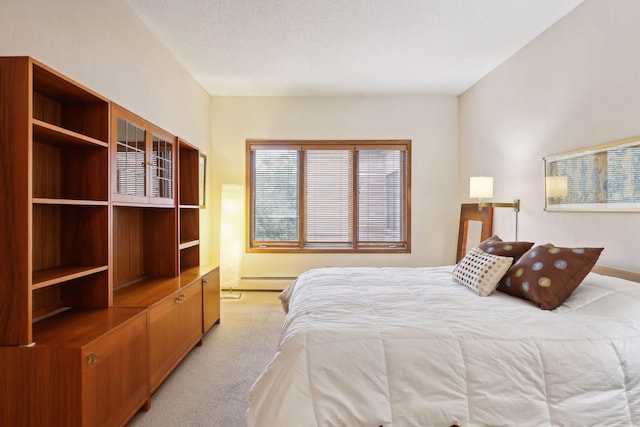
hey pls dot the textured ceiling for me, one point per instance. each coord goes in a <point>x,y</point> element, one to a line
<point>345,47</point>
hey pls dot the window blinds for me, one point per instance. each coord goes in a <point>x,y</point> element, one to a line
<point>323,195</point>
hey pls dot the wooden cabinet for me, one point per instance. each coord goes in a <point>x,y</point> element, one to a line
<point>175,319</point>
<point>54,198</point>
<point>176,326</point>
<point>143,159</point>
<point>210,300</point>
<point>100,276</point>
<point>67,378</point>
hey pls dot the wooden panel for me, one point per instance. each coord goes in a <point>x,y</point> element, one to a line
<point>160,242</point>
<point>46,160</point>
<point>175,326</point>
<point>146,292</point>
<point>633,276</point>
<point>40,387</point>
<point>191,316</point>
<point>190,257</point>
<point>85,235</point>
<point>188,174</point>
<point>46,300</point>
<point>70,172</point>
<point>470,212</point>
<point>47,236</point>
<point>66,235</point>
<point>87,292</point>
<point>43,385</point>
<point>122,356</point>
<point>62,102</point>
<point>128,245</point>
<point>210,300</point>
<point>189,224</point>
<point>164,331</point>
<point>15,203</point>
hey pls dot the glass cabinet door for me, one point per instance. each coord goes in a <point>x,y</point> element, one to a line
<point>130,159</point>
<point>161,168</point>
<point>142,161</point>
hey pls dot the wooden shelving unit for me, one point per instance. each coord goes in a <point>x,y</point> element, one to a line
<point>102,288</point>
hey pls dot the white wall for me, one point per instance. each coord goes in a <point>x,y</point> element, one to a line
<point>102,45</point>
<point>431,124</point>
<point>575,86</point>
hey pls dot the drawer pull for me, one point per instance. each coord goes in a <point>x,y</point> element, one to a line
<point>205,282</point>
<point>180,298</point>
<point>92,358</point>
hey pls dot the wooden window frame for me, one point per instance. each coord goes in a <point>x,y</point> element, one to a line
<point>300,246</point>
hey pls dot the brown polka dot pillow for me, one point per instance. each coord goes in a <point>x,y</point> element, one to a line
<point>480,271</point>
<point>495,246</point>
<point>546,275</point>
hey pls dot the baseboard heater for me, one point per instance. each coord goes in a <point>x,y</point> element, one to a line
<point>261,283</point>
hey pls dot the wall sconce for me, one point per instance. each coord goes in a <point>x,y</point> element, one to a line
<point>481,187</point>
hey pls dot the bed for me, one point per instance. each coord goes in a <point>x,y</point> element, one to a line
<point>412,347</point>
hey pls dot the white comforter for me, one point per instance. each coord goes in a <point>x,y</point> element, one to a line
<point>410,347</point>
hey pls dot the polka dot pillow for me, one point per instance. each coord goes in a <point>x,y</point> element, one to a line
<point>495,246</point>
<point>480,271</point>
<point>546,275</point>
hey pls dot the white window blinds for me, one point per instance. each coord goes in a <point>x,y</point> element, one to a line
<point>329,195</point>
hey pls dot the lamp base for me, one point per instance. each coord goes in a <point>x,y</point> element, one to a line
<point>230,295</point>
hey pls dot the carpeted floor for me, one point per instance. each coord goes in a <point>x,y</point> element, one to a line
<point>211,386</point>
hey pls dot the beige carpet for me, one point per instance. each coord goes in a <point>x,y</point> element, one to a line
<point>211,386</point>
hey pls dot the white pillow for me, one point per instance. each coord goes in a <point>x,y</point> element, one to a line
<point>481,272</point>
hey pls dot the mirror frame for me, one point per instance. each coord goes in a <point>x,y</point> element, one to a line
<point>470,212</point>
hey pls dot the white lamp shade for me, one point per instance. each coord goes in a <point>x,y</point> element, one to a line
<point>231,234</point>
<point>557,186</point>
<point>481,187</point>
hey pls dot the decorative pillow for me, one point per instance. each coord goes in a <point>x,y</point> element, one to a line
<point>480,271</point>
<point>495,246</point>
<point>546,275</point>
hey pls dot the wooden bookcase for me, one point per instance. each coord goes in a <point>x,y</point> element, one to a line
<point>101,284</point>
<point>54,138</point>
<point>56,306</point>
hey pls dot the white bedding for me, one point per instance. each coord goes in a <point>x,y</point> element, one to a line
<point>410,347</point>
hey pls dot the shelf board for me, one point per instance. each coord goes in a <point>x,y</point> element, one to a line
<point>52,134</point>
<point>189,207</point>
<point>189,244</point>
<point>52,276</point>
<point>71,202</point>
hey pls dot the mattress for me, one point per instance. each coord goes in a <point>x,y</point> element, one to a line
<point>410,347</point>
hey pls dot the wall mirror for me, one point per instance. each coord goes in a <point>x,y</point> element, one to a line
<point>476,225</point>
<point>603,178</point>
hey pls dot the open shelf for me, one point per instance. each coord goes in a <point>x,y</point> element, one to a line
<point>55,135</point>
<point>52,276</point>
<point>189,257</point>
<point>68,237</point>
<point>146,242</point>
<point>65,104</point>
<point>75,171</point>
<point>188,157</point>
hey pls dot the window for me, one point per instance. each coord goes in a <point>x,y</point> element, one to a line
<point>340,196</point>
